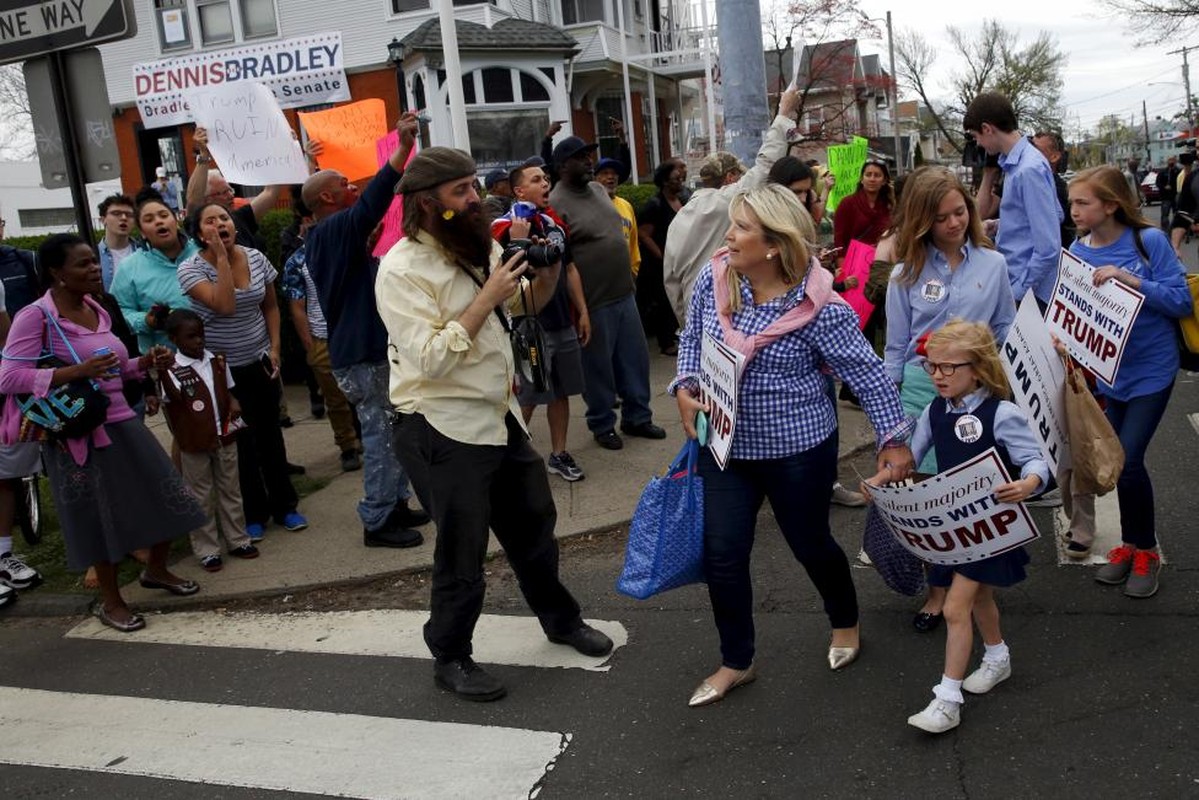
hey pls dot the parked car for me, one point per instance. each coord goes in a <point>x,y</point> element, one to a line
<point>1149,188</point>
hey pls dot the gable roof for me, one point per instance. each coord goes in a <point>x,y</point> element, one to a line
<point>830,64</point>
<point>507,34</point>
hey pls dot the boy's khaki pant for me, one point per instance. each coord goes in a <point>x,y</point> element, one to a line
<point>212,476</point>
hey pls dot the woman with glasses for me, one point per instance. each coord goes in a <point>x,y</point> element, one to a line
<point>946,269</point>
<point>768,298</point>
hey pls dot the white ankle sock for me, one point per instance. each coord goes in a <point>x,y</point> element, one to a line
<point>949,690</point>
<point>996,653</point>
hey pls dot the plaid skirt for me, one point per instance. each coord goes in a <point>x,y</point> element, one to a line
<point>125,496</point>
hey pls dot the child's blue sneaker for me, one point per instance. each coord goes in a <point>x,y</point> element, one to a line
<point>295,521</point>
<point>255,531</point>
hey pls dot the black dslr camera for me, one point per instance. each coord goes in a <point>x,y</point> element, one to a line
<point>537,255</point>
<point>976,157</point>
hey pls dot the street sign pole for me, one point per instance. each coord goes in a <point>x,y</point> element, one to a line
<point>70,148</point>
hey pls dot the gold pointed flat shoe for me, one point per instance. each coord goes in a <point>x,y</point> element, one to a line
<point>705,694</point>
<point>839,657</point>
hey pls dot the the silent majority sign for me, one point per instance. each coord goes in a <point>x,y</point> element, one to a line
<point>953,518</point>
<point>1092,321</point>
<point>719,374</point>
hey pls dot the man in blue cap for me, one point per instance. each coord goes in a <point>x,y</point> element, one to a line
<point>499,194</point>
<point>616,360</point>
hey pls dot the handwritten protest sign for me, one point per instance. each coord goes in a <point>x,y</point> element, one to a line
<point>394,221</point>
<point>858,259</point>
<point>248,135</point>
<point>719,374</point>
<point>1092,321</point>
<point>845,162</point>
<point>1038,379</point>
<point>347,135</point>
<point>953,518</point>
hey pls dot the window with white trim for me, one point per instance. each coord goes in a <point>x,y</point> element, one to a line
<point>577,11</point>
<point>404,6</point>
<point>173,30</point>
<point>191,24</point>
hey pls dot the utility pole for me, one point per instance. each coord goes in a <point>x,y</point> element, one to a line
<point>1186,82</point>
<point>453,75</point>
<point>742,76</point>
<point>900,162</point>
<point>1145,121</point>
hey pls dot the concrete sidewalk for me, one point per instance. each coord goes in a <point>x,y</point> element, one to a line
<point>331,551</point>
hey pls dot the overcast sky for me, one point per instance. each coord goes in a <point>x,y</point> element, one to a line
<point>1106,71</point>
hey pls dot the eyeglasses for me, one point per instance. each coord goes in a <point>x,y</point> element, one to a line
<point>947,368</point>
<point>115,213</point>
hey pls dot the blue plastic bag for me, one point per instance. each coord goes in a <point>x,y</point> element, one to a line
<point>666,536</point>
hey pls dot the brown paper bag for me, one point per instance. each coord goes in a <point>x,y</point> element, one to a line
<point>1095,448</point>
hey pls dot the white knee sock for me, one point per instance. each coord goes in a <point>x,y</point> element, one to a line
<point>996,653</point>
<point>949,690</point>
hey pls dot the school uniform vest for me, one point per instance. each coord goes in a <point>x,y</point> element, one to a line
<point>189,411</point>
<point>960,437</point>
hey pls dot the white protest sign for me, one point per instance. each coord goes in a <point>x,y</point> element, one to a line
<point>248,135</point>
<point>953,518</point>
<point>1038,379</point>
<point>719,373</point>
<point>1092,321</point>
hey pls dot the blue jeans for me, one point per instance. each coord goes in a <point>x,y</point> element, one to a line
<point>1135,421</point>
<point>383,480</point>
<point>616,360</point>
<point>799,488</point>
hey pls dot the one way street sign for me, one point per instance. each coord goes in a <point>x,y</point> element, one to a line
<point>29,29</point>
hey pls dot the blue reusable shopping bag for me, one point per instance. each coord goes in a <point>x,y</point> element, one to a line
<point>666,536</point>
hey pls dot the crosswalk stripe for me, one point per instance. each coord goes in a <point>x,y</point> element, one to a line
<point>498,639</point>
<point>341,755</point>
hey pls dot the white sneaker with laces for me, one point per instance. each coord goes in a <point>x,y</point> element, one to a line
<point>16,574</point>
<point>939,716</point>
<point>846,497</point>
<point>988,675</point>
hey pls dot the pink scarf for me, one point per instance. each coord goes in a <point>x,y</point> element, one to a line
<point>818,292</point>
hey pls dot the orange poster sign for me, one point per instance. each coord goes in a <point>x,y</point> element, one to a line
<point>347,135</point>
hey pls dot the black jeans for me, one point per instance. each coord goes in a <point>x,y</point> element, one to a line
<point>467,489</point>
<point>657,315</point>
<point>799,488</point>
<point>266,489</point>
<point>1135,422</point>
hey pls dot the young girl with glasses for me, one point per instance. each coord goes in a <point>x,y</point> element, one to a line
<point>971,415</point>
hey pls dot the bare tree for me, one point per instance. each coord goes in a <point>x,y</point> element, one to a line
<point>16,120</point>
<point>1157,20</point>
<point>1030,76</point>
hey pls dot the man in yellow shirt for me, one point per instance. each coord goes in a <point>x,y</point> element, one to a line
<point>443,296</point>
<point>610,173</point>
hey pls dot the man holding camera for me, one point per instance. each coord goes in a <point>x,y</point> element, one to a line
<point>1029,214</point>
<point>444,296</point>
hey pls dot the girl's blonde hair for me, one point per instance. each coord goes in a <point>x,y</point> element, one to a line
<point>922,195</point>
<point>786,225</point>
<point>975,340</point>
<point>1109,186</point>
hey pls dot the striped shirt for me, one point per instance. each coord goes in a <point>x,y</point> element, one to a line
<point>242,336</point>
<point>783,405</point>
<point>298,285</point>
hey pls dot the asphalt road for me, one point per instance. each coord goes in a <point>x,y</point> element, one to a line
<point>1103,701</point>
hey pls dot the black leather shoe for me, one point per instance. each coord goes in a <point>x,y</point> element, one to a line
<point>925,622</point>
<point>404,516</point>
<point>468,680</point>
<point>586,639</point>
<point>646,430</point>
<point>392,537</point>
<point>609,440</point>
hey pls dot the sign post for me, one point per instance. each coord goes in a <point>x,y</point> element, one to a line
<point>49,27</point>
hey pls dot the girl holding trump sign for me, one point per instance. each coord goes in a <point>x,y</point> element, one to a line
<point>971,416</point>
<point>1124,246</point>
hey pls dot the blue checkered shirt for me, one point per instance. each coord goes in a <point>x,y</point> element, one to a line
<point>783,407</point>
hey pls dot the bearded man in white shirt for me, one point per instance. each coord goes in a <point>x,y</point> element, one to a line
<point>444,295</point>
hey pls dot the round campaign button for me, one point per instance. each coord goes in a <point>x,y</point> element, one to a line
<point>968,428</point>
<point>197,405</point>
<point>933,291</point>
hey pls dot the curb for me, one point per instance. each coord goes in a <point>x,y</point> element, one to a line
<point>33,604</point>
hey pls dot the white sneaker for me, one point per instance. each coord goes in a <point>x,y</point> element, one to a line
<point>988,675</point>
<point>16,573</point>
<point>938,717</point>
<point>845,497</point>
<point>7,595</point>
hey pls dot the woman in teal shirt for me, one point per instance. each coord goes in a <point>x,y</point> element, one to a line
<point>148,277</point>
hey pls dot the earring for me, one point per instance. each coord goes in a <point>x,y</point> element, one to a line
<point>769,256</point>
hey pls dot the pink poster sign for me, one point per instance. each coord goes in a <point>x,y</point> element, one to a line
<point>857,263</point>
<point>393,222</point>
